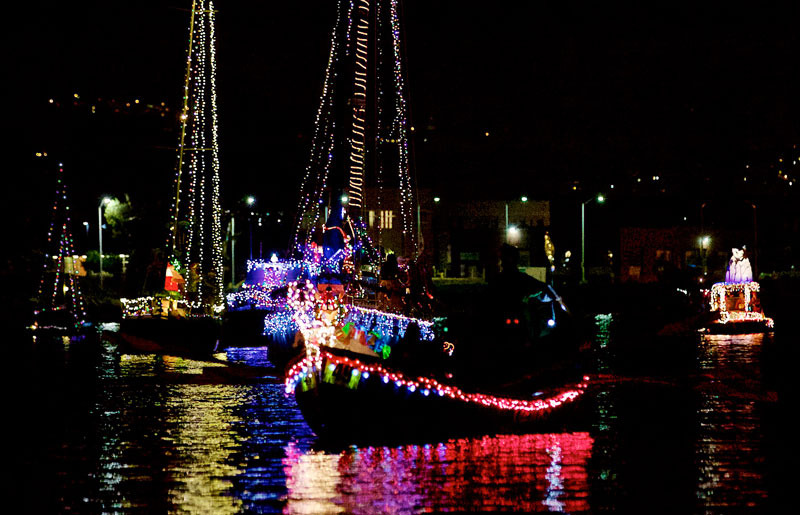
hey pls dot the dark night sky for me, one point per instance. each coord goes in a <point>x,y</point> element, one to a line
<point>593,96</point>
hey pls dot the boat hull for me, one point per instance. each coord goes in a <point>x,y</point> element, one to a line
<point>745,327</point>
<point>187,336</point>
<point>387,405</point>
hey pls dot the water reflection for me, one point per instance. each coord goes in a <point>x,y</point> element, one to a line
<point>110,432</point>
<point>538,472</point>
<point>729,449</point>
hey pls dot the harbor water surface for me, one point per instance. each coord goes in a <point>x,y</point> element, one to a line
<point>685,426</point>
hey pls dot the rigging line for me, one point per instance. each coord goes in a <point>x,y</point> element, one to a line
<point>412,146</point>
<point>184,118</point>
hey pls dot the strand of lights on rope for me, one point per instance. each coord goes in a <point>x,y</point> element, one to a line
<point>65,249</point>
<point>199,152</point>
<point>326,364</point>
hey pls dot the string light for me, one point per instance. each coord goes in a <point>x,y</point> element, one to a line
<point>200,143</point>
<point>65,250</point>
<point>330,368</point>
<point>351,39</point>
<point>749,313</point>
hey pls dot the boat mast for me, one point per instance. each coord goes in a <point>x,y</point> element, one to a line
<point>199,115</point>
<point>184,116</point>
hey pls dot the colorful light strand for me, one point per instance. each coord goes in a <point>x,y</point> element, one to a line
<point>65,248</point>
<point>199,136</point>
<point>328,363</point>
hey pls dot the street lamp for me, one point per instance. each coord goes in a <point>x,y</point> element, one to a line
<point>600,199</point>
<point>705,243</point>
<point>103,202</point>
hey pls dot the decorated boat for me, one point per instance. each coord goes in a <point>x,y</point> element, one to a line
<point>187,311</point>
<point>60,307</point>
<point>367,373</point>
<point>373,357</point>
<point>736,303</point>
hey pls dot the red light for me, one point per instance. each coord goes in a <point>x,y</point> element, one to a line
<point>516,321</point>
<point>508,321</point>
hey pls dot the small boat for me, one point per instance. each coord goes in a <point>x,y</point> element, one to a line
<point>736,308</point>
<point>60,307</point>
<point>735,304</point>
<point>187,313</point>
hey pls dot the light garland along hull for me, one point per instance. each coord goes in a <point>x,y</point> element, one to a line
<point>741,327</point>
<point>344,397</point>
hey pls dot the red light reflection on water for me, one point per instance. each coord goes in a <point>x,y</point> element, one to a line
<point>538,472</point>
<point>730,438</point>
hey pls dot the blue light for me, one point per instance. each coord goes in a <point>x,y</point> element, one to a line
<point>365,375</point>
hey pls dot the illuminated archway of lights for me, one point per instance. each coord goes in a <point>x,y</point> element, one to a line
<point>198,154</point>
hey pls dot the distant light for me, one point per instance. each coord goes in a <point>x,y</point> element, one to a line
<point>524,199</point>
<point>436,199</point>
<point>612,186</point>
<point>251,200</point>
<point>551,323</point>
<point>76,95</point>
<point>273,258</point>
<point>86,224</point>
<point>51,100</point>
<point>513,230</point>
<point>344,199</point>
<point>106,200</point>
<point>486,134</point>
<point>601,199</point>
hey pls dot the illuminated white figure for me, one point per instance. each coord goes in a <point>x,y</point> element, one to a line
<point>739,270</point>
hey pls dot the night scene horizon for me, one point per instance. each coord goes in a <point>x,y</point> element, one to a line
<point>395,256</point>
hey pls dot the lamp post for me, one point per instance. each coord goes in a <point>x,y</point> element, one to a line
<point>600,199</point>
<point>705,242</point>
<point>512,230</point>
<point>250,201</point>
<point>103,202</point>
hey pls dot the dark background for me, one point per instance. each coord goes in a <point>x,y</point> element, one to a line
<point>573,101</point>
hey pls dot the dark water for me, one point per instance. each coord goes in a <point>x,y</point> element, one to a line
<point>689,427</point>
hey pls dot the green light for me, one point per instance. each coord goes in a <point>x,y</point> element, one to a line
<point>601,199</point>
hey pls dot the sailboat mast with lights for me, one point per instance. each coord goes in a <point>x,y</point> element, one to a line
<point>195,238</point>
